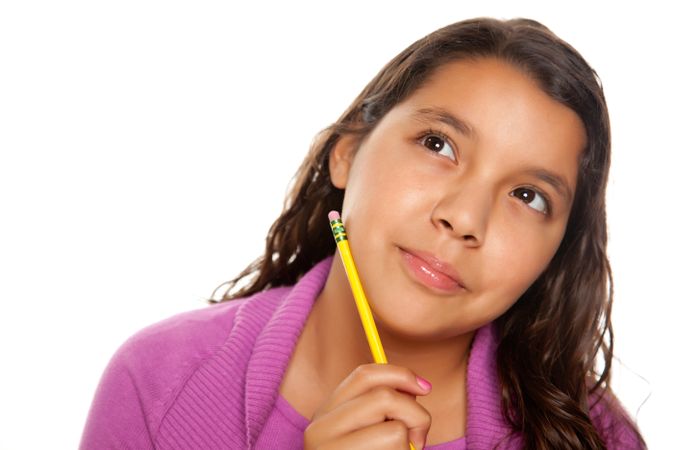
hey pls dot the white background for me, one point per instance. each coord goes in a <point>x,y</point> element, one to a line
<point>146,147</point>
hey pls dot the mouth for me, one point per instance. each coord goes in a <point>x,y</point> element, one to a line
<point>431,272</point>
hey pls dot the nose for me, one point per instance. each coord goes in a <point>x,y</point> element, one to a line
<point>464,213</point>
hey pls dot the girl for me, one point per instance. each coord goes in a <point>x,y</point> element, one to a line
<point>471,174</point>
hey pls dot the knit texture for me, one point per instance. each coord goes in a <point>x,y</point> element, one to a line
<point>209,379</point>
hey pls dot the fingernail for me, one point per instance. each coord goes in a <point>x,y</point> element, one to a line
<point>424,384</point>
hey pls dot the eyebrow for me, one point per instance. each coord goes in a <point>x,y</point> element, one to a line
<point>441,115</point>
<point>556,181</point>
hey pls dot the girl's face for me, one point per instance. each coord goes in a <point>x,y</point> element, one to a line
<point>457,201</point>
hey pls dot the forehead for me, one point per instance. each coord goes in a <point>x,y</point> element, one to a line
<point>500,105</point>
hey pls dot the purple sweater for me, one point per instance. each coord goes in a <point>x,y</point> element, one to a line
<point>209,379</point>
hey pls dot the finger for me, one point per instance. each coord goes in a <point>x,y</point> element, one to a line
<point>382,436</point>
<point>369,376</point>
<point>376,406</point>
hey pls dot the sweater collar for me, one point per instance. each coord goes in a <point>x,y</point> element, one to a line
<point>486,425</point>
<point>274,346</point>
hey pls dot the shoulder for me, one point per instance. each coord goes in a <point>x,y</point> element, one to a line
<point>162,356</point>
<point>177,342</point>
<point>210,367</point>
<point>183,340</point>
<point>189,336</point>
<point>151,368</point>
<point>613,422</point>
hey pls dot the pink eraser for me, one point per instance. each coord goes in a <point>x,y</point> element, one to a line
<point>333,215</point>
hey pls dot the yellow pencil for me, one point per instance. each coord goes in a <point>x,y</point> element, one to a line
<point>362,305</point>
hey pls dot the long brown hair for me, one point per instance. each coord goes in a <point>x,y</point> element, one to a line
<point>550,339</point>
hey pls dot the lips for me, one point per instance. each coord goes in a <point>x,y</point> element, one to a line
<point>431,272</point>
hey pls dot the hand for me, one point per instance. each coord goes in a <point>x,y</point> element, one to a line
<point>373,408</point>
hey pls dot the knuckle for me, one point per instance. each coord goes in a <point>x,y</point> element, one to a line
<point>398,430</point>
<point>384,395</point>
<point>364,371</point>
<point>427,418</point>
<point>367,371</point>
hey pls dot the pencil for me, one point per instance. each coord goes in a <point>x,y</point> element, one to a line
<point>362,305</point>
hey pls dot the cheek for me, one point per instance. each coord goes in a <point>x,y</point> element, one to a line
<point>518,261</point>
<point>383,182</point>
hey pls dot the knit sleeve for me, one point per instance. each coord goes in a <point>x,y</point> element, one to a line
<point>118,416</point>
<point>146,374</point>
<point>614,424</point>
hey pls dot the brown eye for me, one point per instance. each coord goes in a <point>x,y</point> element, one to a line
<point>532,198</point>
<point>438,144</point>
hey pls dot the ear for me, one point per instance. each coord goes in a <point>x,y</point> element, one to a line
<point>340,161</point>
